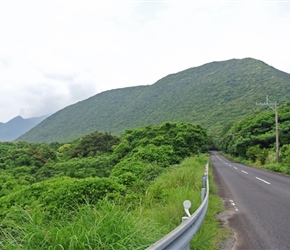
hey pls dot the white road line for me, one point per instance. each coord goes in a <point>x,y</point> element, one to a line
<point>235,168</point>
<point>244,172</point>
<point>263,180</point>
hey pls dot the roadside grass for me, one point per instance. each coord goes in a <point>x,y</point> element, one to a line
<point>104,226</point>
<point>165,197</point>
<point>107,226</point>
<point>212,233</point>
<point>184,182</point>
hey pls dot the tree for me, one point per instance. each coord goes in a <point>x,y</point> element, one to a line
<point>94,144</point>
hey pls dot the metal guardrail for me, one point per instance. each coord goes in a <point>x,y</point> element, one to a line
<point>180,237</point>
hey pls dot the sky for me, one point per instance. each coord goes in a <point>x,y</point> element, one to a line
<point>57,53</point>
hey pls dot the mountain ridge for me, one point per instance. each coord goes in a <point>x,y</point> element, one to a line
<point>17,126</point>
<point>212,95</point>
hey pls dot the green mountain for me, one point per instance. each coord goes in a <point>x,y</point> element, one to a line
<point>214,95</point>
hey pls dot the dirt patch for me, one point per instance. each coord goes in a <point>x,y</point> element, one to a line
<point>224,217</point>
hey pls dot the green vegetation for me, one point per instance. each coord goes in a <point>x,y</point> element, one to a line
<point>208,236</point>
<point>122,188</point>
<point>103,191</point>
<point>253,140</point>
<point>214,95</point>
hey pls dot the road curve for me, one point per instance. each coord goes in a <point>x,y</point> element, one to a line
<point>259,201</point>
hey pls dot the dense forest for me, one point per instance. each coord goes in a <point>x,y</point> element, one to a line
<point>214,95</point>
<point>45,187</point>
<point>254,139</point>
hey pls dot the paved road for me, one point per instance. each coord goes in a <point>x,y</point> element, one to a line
<point>259,202</point>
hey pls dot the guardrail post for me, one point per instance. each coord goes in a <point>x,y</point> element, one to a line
<point>203,193</point>
<point>204,177</point>
<point>186,205</point>
<point>187,247</point>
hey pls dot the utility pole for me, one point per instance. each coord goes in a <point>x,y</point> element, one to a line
<point>270,105</point>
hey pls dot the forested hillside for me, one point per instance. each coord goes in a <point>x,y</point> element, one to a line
<point>99,191</point>
<point>214,95</point>
<point>254,139</point>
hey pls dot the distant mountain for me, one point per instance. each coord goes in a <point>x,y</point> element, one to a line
<point>214,95</point>
<point>17,126</point>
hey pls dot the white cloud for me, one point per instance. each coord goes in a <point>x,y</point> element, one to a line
<point>55,53</point>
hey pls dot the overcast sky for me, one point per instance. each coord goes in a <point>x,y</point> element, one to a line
<point>56,53</point>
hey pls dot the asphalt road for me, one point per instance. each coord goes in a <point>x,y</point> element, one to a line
<point>259,202</point>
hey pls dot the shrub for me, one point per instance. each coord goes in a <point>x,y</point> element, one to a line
<point>63,193</point>
<point>94,144</point>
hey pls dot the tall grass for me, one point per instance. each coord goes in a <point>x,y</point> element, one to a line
<point>165,197</point>
<point>104,226</point>
<point>184,182</point>
<point>107,226</point>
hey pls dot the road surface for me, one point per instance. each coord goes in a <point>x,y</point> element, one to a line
<point>259,202</point>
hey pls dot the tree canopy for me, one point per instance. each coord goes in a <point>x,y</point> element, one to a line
<point>255,136</point>
<point>95,166</point>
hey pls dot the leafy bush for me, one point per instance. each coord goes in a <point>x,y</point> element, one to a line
<point>94,144</point>
<point>61,193</point>
<point>41,182</point>
<point>77,168</point>
<point>135,175</point>
<point>256,153</point>
<point>285,153</point>
<point>273,167</point>
<point>129,165</point>
<point>161,155</point>
<point>185,139</point>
